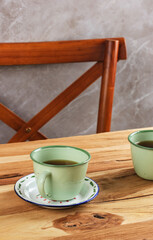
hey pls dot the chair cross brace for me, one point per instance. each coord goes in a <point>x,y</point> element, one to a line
<point>29,130</point>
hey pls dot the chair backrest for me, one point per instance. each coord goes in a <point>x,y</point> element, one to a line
<point>105,52</point>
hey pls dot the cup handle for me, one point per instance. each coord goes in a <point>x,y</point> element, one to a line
<point>41,182</point>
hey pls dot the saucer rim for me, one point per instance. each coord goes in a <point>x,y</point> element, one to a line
<point>56,206</point>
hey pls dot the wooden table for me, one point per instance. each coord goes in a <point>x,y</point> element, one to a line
<point>122,210</point>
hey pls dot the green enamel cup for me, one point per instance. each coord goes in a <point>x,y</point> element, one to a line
<point>60,182</point>
<point>142,156</point>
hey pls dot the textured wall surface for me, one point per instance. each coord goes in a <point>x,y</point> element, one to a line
<point>27,89</point>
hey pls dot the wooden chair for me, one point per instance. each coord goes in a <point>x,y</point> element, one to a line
<point>105,52</point>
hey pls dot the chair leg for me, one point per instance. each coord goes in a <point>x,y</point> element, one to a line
<point>107,86</point>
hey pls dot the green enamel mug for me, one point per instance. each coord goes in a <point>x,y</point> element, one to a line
<point>142,156</point>
<point>57,181</point>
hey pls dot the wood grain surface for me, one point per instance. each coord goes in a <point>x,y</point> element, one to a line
<point>122,210</point>
<point>56,52</point>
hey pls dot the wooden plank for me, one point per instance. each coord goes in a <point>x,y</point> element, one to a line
<point>98,216</point>
<point>57,104</point>
<point>111,143</point>
<point>129,184</point>
<point>108,151</point>
<point>135,231</point>
<point>122,210</point>
<point>11,173</point>
<point>56,52</point>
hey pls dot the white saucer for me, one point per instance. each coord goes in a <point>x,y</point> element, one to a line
<point>26,189</point>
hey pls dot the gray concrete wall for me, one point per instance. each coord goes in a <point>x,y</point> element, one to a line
<point>27,89</point>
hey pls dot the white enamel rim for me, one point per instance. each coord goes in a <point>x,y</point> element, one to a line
<point>92,184</point>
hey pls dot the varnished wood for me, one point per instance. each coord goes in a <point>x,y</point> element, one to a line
<point>107,86</point>
<point>15,122</point>
<point>56,52</point>
<point>115,232</point>
<point>122,210</point>
<point>58,103</point>
<point>106,52</point>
